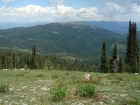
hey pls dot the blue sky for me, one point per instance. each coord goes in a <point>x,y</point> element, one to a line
<point>69,10</point>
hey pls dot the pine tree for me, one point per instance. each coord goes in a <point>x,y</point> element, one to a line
<point>33,59</point>
<point>85,68</point>
<point>114,62</point>
<point>14,60</point>
<point>129,45</point>
<point>115,51</point>
<point>104,67</point>
<point>135,67</point>
<point>4,62</point>
<point>132,52</point>
<point>121,66</point>
<point>76,64</point>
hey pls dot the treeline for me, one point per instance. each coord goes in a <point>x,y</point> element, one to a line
<point>118,64</point>
<point>33,60</point>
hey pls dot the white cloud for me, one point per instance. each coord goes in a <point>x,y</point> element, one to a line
<point>38,13</point>
<point>120,2</point>
<point>113,8</point>
<point>54,2</point>
<point>135,8</point>
<point>117,12</point>
<point>114,12</point>
<point>7,1</point>
<point>111,12</point>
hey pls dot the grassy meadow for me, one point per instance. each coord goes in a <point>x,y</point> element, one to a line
<point>33,87</point>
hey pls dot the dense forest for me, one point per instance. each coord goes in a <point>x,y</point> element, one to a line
<point>10,59</point>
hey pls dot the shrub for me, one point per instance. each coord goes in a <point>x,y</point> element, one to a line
<point>4,87</point>
<point>134,102</point>
<point>85,90</point>
<point>58,93</point>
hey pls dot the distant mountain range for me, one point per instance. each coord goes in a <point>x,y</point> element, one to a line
<point>119,27</point>
<point>74,39</point>
<point>8,25</point>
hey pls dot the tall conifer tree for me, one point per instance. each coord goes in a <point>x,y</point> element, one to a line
<point>104,67</point>
<point>121,66</point>
<point>4,62</point>
<point>114,62</point>
<point>34,59</point>
<point>14,60</point>
<point>132,52</point>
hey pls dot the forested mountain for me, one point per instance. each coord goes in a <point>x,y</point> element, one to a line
<point>115,26</point>
<point>74,39</point>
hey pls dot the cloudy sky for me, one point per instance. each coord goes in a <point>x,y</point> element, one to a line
<point>69,10</point>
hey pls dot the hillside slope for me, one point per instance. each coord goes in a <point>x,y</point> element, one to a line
<point>79,40</point>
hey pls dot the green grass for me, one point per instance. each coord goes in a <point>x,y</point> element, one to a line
<point>32,87</point>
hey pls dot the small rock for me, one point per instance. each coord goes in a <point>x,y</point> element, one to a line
<point>87,76</point>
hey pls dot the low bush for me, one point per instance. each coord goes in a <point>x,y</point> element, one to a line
<point>135,102</point>
<point>85,90</point>
<point>4,88</point>
<point>58,93</point>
